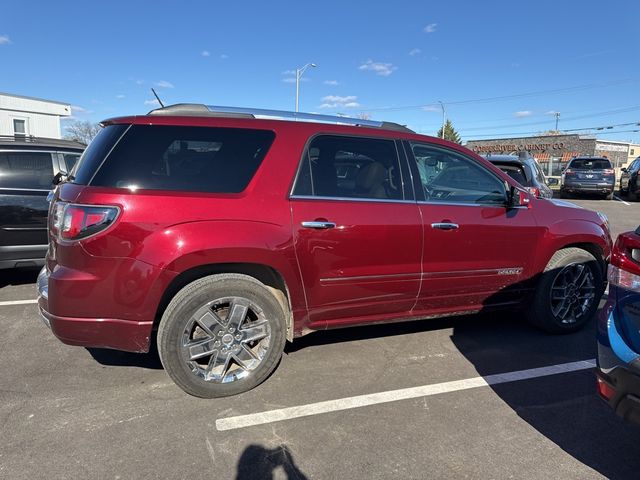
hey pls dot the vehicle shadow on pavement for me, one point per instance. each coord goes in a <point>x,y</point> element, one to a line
<point>19,276</point>
<point>564,408</point>
<point>117,358</point>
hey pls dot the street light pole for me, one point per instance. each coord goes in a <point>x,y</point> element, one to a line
<point>557,117</point>
<point>443,118</point>
<point>299,72</point>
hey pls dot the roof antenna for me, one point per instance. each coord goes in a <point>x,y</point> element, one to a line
<point>157,97</point>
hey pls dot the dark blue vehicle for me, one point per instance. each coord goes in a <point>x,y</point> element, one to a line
<point>619,331</point>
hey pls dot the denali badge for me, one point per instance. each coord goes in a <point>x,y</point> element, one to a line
<point>510,271</point>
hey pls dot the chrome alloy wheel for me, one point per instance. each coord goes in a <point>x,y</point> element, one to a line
<point>225,340</point>
<point>573,292</point>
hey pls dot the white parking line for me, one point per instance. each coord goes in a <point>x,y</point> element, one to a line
<point>270,416</point>
<point>620,200</point>
<point>18,302</point>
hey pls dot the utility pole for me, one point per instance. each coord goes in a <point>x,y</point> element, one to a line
<point>444,116</point>
<point>557,117</point>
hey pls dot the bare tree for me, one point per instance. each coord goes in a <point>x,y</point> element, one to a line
<point>364,116</point>
<point>81,131</point>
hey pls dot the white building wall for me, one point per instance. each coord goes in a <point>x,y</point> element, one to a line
<point>42,117</point>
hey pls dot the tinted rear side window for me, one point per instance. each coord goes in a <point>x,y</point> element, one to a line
<point>350,167</point>
<point>95,153</point>
<point>26,170</point>
<point>516,172</point>
<point>590,164</point>
<point>194,159</point>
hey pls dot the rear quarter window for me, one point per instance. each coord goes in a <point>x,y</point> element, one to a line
<point>94,155</point>
<point>26,170</point>
<point>193,159</point>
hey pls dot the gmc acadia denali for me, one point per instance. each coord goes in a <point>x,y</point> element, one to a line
<point>221,233</point>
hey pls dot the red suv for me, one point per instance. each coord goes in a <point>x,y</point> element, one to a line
<point>222,234</point>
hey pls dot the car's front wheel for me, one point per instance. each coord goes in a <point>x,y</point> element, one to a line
<point>221,335</point>
<point>568,292</point>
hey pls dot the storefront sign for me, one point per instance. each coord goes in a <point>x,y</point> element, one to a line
<point>512,147</point>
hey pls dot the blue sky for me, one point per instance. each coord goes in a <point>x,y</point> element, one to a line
<point>392,60</point>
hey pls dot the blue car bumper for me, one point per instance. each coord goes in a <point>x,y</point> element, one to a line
<point>618,362</point>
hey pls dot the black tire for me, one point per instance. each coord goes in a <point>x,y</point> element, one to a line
<point>623,193</point>
<point>608,196</point>
<point>212,299</point>
<point>563,194</point>
<point>547,310</point>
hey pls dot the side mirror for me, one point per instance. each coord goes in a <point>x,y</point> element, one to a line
<point>517,198</point>
<point>552,181</point>
<point>624,169</point>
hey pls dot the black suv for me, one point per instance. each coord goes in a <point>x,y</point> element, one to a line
<point>630,180</point>
<point>524,169</point>
<point>27,168</point>
<point>588,175</point>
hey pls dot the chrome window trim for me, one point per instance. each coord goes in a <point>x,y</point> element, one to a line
<point>349,199</point>
<point>464,204</point>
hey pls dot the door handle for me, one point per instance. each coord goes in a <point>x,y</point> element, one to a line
<point>445,226</point>
<point>319,225</point>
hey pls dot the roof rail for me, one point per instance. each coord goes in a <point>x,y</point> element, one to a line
<point>192,109</point>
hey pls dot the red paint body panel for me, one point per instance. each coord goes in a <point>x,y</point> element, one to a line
<point>466,266</point>
<point>382,262</point>
<point>369,264</point>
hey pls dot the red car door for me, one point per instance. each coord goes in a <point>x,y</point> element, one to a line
<point>477,252</point>
<point>358,233</point>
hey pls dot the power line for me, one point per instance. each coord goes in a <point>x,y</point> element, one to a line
<point>569,130</point>
<point>565,119</point>
<point>510,97</point>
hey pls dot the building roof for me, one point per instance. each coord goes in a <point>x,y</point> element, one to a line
<point>34,98</point>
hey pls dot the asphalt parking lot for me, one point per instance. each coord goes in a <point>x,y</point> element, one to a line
<point>483,396</point>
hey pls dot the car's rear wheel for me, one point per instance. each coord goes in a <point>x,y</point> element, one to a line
<point>608,196</point>
<point>568,292</point>
<point>563,194</point>
<point>221,335</point>
<point>623,192</point>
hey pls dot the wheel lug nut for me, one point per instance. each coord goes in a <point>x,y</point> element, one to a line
<point>238,337</point>
<point>220,333</point>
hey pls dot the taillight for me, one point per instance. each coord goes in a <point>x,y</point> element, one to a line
<point>605,390</point>
<point>568,171</point>
<point>75,222</point>
<point>624,270</point>
<point>608,171</point>
<point>534,191</point>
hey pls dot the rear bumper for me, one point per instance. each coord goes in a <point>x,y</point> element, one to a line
<point>127,335</point>
<point>618,365</point>
<point>625,386</point>
<point>588,187</point>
